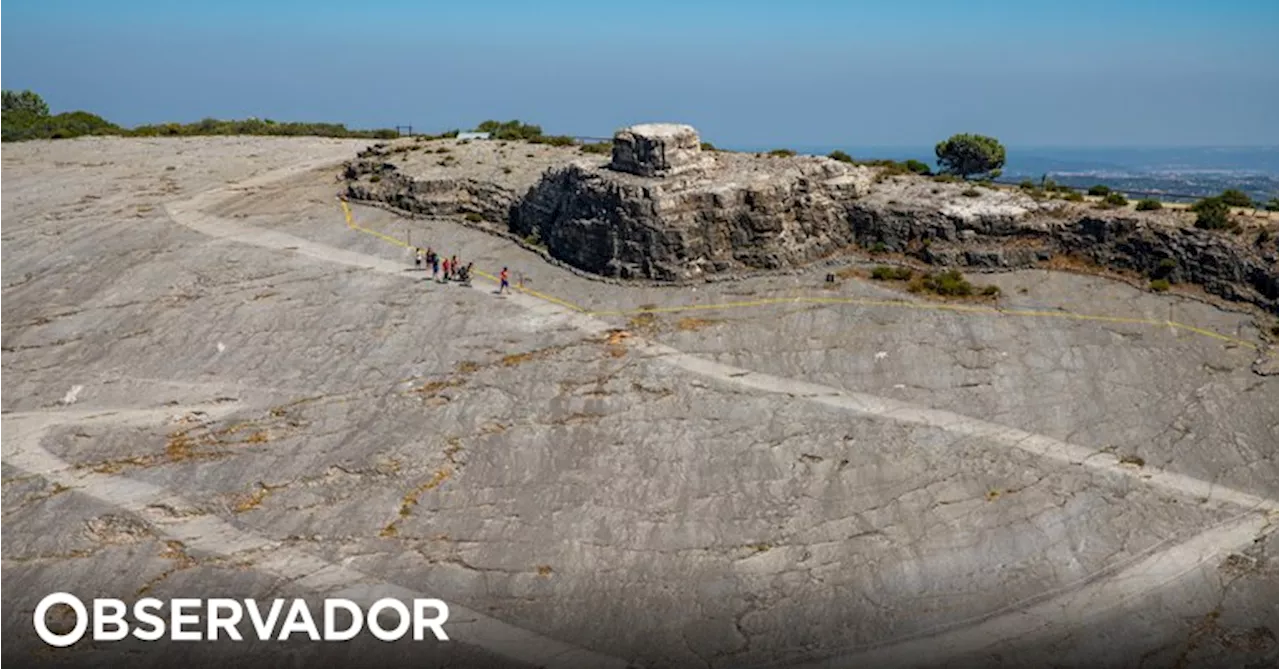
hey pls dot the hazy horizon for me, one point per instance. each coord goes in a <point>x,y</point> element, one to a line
<point>1088,73</point>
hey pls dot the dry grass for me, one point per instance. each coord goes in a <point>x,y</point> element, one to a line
<point>689,323</point>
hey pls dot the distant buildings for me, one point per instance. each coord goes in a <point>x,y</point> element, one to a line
<point>473,135</point>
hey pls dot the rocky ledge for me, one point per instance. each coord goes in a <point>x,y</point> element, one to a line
<point>661,208</point>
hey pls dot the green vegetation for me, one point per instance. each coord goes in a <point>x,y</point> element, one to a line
<point>917,167</point>
<point>840,156</point>
<point>946,178</point>
<point>1099,190</point>
<point>967,154</point>
<point>1160,285</point>
<point>1148,204</point>
<point>886,273</point>
<point>26,117</point>
<point>782,153</point>
<point>1212,214</point>
<point>604,148</point>
<point>1272,205</point>
<point>949,283</point>
<point>1027,184</point>
<point>991,291</point>
<point>879,247</point>
<point>1236,198</point>
<point>1115,199</point>
<point>1073,196</point>
<point>513,129</point>
<point>971,192</point>
<point>474,217</point>
<point>1164,269</point>
<point>708,146</point>
<point>554,140</point>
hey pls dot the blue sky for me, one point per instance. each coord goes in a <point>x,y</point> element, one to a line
<point>745,72</point>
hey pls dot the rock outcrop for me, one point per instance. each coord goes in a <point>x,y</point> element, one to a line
<point>657,150</point>
<point>627,227</point>
<point>663,209</point>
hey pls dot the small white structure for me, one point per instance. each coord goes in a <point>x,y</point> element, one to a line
<point>473,135</point>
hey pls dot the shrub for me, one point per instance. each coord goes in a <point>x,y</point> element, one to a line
<point>1164,268</point>
<point>970,192</point>
<point>991,291</point>
<point>782,153</point>
<point>605,148</point>
<point>917,167</point>
<point>1099,190</point>
<point>946,178</point>
<point>949,283</point>
<point>886,273</point>
<point>1160,285</point>
<point>473,217</point>
<point>1073,196</point>
<point>1233,197</point>
<point>1148,204</point>
<point>512,129</point>
<point>708,146</point>
<point>968,154</point>
<point>554,140</point>
<point>1272,205</point>
<point>1027,184</point>
<point>840,156</point>
<point>879,247</point>
<point>1115,199</point>
<point>1212,214</point>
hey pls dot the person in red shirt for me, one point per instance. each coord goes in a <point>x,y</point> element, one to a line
<point>503,285</point>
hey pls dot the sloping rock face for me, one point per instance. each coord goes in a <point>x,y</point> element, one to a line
<point>434,197</point>
<point>670,229</point>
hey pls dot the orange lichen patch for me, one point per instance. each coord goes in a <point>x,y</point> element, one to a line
<point>690,323</point>
<point>180,447</point>
<point>432,387</point>
<point>468,366</point>
<point>545,570</point>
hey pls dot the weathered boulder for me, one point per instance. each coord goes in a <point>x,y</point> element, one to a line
<point>656,149</point>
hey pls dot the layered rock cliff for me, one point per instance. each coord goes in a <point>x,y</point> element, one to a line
<point>738,212</point>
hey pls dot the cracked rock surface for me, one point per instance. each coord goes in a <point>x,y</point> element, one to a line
<point>272,404</point>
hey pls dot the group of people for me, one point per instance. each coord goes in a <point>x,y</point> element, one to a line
<point>453,269</point>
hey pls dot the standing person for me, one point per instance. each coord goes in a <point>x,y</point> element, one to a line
<point>453,264</point>
<point>446,269</point>
<point>435,266</point>
<point>503,286</point>
<point>417,258</point>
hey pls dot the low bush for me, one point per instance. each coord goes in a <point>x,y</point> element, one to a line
<point>971,192</point>
<point>1148,204</point>
<point>708,146</point>
<point>1164,268</point>
<point>1027,184</point>
<point>949,283</point>
<point>1160,285</point>
<point>886,273</point>
<point>991,291</point>
<point>1073,196</point>
<point>1236,198</point>
<point>879,247</point>
<point>782,153</point>
<point>840,156</point>
<point>1272,205</point>
<point>1099,190</point>
<point>917,167</point>
<point>1115,199</point>
<point>554,140</point>
<point>473,217</point>
<point>604,148</point>
<point>1212,214</point>
<point>946,178</point>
